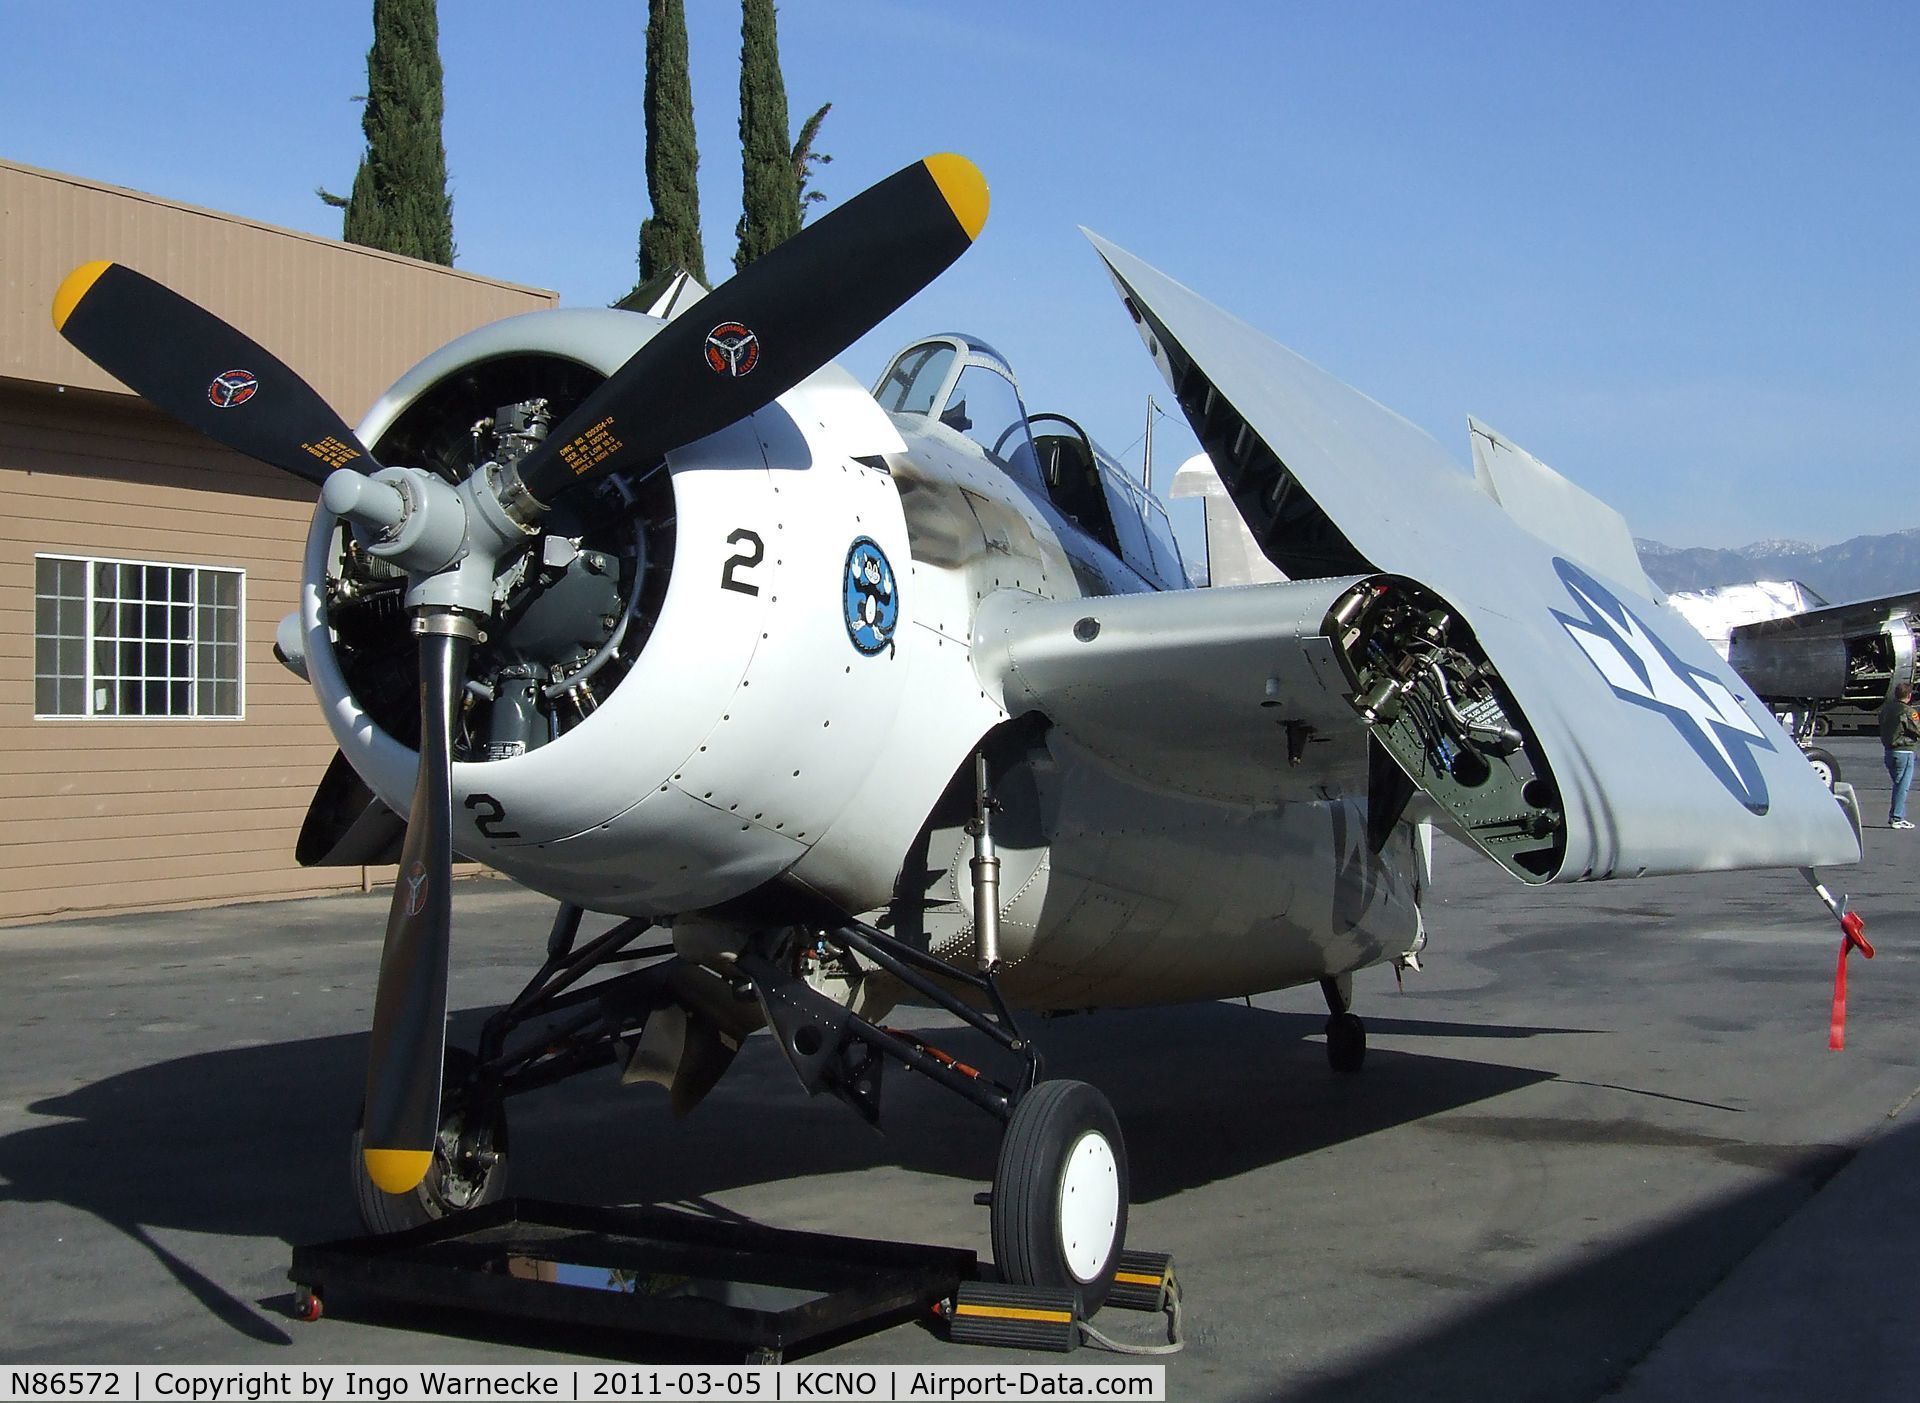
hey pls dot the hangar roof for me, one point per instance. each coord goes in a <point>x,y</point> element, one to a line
<point>348,319</point>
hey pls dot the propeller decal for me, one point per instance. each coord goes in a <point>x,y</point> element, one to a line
<point>771,325</point>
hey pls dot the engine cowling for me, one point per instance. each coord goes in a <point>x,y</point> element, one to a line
<point>671,706</point>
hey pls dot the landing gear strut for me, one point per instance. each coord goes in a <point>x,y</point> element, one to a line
<point>1061,1187</point>
<point>1346,1034</point>
<point>1059,1200</point>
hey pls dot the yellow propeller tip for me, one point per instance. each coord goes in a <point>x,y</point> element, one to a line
<point>964,187</point>
<point>74,287</point>
<point>397,1171</point>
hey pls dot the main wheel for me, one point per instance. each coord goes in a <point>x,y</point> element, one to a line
<point>1060,1193</point>
<point>469,1160</point>
<point>1824,765</point>
<point>1346,1042</point>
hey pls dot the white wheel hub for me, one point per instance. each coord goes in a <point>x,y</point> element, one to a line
<point>1089,1205</point>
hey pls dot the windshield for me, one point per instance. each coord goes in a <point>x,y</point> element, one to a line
<point>986,408</point>
<point>916,377</point>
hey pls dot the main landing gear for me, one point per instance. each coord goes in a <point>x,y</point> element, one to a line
<point>566,1031</point>
<point>1060,1193</point>
<point>1061,1188</point>
<point>469,1157</point>
<point>1824,765</point>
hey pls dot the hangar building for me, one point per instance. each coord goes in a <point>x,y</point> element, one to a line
<point>152,752</point>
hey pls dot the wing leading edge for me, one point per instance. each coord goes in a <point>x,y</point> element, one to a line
<point>1631,741</point>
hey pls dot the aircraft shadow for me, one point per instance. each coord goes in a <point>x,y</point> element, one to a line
<point>1577,1332</point>
<point>252,1141</point>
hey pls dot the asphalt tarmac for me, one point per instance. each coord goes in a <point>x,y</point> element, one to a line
<point>1599,1144</point>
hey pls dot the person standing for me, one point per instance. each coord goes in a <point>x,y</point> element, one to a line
<point>1900,734</point>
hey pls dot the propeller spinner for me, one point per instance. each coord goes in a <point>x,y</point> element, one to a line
<point>744,344</point>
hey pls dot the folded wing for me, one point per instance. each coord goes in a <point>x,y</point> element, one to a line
<point>1571,726</point>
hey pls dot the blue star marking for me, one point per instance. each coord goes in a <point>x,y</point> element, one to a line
<point>1645,671</point>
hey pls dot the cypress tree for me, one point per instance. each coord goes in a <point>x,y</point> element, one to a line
<point>805,158</point>
<point>671,235</point>
<point>399,201</point>
<point>770,194</point>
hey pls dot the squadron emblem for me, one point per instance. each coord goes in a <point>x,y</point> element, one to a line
<point>871,598</point>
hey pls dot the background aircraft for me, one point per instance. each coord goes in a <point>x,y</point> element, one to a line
<point>1846,657</point>
<point>860,699</point>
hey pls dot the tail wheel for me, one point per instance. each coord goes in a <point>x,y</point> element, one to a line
<point>469,1160</point>
<point>1060,1193</point>
<point>1346,1043</point>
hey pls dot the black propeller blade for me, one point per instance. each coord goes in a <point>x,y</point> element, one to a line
<point>408,1046</point>
<point>203,372</point>
<point>776,322</point>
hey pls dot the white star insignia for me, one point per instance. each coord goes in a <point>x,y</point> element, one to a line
<point>1643,670</point>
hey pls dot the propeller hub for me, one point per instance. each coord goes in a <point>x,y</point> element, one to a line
<point>451,541</point>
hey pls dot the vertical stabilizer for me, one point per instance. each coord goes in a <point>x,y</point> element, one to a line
<point>1233,556</point>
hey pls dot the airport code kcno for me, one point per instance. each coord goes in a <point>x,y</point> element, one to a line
<point>417,1384</point>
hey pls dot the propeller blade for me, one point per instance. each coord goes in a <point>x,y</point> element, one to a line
<point>402,1117</point>
<point>203,372</point>
<point>769,327</point>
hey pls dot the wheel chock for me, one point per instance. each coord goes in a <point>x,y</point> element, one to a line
<point>1013,1317</point>
<point>1141,1281</point>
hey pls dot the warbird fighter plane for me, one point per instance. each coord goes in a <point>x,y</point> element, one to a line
<point>1844,655</point>
<point>868,699</point>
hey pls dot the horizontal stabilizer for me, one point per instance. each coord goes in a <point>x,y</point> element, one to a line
<point>1618,742</point>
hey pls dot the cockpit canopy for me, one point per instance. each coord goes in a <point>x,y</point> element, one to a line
<point>969,387</point>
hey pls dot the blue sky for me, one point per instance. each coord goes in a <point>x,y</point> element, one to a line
<point>1669,248</point>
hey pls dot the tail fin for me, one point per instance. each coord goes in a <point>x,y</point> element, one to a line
<point>1233,556</point>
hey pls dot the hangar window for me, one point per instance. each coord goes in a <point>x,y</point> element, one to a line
<point>130,638</point>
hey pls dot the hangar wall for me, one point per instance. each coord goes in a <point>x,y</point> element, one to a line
<point>121,792</point>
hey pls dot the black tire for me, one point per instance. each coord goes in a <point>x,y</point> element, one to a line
<point>1824,765</point>
<point>1041,1212</point>
<point>1346,1043</point>
<point>455,1182</point>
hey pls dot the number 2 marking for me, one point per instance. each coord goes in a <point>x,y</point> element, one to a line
<point>489,822</point>
<point>752,550</point>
